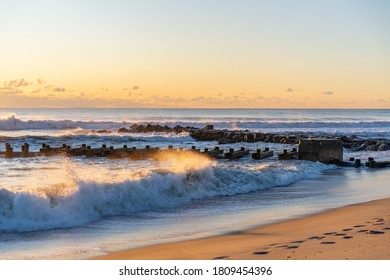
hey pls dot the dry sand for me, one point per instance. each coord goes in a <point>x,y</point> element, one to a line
<point>360,231</point>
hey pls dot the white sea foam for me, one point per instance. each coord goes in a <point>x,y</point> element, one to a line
<point>80,200</point>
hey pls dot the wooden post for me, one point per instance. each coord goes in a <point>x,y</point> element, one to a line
<point>8,151</point>
<point>358,163</point>
<point>371,162</point>
<point>26,149</point>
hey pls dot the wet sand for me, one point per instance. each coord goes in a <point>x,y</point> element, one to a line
<point>359,232</point>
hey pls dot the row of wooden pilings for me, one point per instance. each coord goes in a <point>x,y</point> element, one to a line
<point>150,152</point>
<point>134,152</point>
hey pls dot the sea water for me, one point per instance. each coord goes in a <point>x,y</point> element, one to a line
<point>56,207</point>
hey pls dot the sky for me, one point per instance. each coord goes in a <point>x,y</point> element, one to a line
<point>195,53</point>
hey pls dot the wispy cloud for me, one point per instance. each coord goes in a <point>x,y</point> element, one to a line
<point>135,88</point>
<point>59,89</point>
<point>40,81</point>
<point>289,89</point>
<point>12,84</point>
<point>4,91</point>
<point>327,92</point>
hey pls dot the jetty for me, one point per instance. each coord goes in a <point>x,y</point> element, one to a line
<point>329,151</point>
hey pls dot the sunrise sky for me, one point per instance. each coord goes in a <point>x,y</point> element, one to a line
<point>195,53</point>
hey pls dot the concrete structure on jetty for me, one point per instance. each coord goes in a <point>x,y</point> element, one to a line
<point>322,150</point>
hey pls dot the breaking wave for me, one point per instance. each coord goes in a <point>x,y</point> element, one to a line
<point>80,201</point>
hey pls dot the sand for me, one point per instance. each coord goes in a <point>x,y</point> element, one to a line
<point>358,232</point>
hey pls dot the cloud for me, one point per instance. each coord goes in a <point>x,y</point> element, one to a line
<point>59,89</point>
<point>12,84</point>
<point>40,81</point>
<point>135,88</point>
<point>4,91</point>
<point>327,92</point>
<point>36,91</point>
<point>291,90</point>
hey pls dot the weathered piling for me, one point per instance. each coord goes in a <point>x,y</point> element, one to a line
<point>216,153</point>
<point>262,154</point>
<point>322,150</point>
<point>236,154</point>
<point>25,150</point>
<point>358,163</point>
<point>286,155</point>
<point>371,163</point>
<point>8,151</point>
<point>194,149</point>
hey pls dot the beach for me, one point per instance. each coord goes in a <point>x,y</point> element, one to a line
<point>85,202</point>
<point>357,232</point>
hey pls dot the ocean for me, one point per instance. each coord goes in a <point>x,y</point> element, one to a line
<point>75,208</point>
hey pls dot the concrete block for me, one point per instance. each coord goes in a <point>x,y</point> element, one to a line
<point>322,150</point>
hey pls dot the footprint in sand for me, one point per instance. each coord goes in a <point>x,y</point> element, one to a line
<point>330,233</point>
<point>328,242</point>
<point>348,237</point>
<point>298,241</point>
<point>261,253</point>
<point>340,234</point>
<point>363,230</point>
<point>221,258</point>
<point>292,247</point>
<point>316,237</point>
<point>378,224</point>
<point>282,246</point>
<point>386,228</point>
<point>375,232</point>
<point>357,226</point>
<point>347,229</point>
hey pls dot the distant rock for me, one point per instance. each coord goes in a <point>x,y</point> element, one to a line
<point>383,147</point>
<point>123,130</point>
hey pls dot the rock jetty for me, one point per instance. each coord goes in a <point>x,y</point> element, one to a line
<point>225,136</point>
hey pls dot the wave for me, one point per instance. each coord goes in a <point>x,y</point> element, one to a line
<point>80,201</point>
<point>13,123</point>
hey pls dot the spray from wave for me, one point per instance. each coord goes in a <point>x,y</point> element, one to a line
<point>84,198</point>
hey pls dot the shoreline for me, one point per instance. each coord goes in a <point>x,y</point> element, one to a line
<point>358,231</point>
